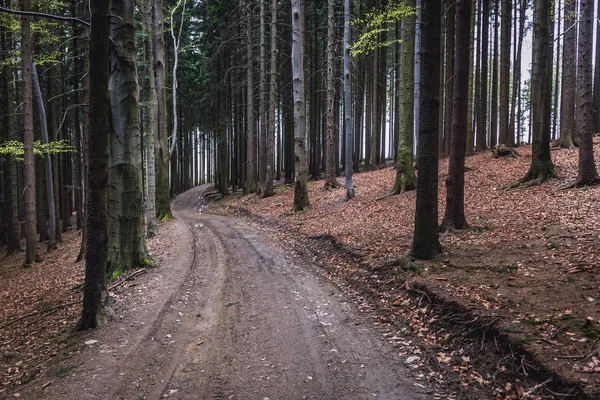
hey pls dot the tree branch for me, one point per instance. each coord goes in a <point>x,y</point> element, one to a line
<point>43,15</point>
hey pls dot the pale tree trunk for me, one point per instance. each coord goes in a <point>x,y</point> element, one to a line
<point>567,137</point>
<point>151,122</point>
<point>126,244</point>
<point>176,44</point>
<point>348,104</point>
<point>31,251</point>
<point>514,123</point>
<point>405,174</point>
<point>267,189</point>
<point>454,218</point>
<point>95,295</point>
<point>47,161</point>
<point>301,188</point>
<point>555,98</point>
<point>251,185</point>
<point>587,174</point>
<point>163,197</point>
<point>426,242</point>
<point>330,181</point>
<point>505,34</point>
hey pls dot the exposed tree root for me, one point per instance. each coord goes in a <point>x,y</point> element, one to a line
<point>583,182</point>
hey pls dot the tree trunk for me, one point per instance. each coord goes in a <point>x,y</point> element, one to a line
<point>426,243</point>
<point>267,189</point>
<point>405,174</point>
<point>470,139</point>
<point>48,162</point>
<point>162,156</point>
<point>555,97</point>
<point>31,251</point>
<point>251,184</point>
<point>95,294</point>
<point>126,244</point>
<point>348,105</point>
<point>454,218</point>
<point>330,181</point>
<point>301,188</point>
<point>567,102</point>
<point>151,120</point>
<point>505,73</point>
<point>514,123</point>
<point>493,139</point>
<point>541,99</point>
<point>262,107</point>
<point>587,173</point>
<point>597,80</point>
<point>483,76</point>
<point>449,77</point>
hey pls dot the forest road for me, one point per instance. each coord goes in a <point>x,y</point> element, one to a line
<point>239,320</point>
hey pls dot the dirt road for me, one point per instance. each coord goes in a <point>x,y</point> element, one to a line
<point>233,318</point>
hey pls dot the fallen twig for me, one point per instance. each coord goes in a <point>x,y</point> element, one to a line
<point>531,391</point>
<point>9,323</point>
<point>128,278</point>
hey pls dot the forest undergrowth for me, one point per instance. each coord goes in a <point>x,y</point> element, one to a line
<point>521,283</point>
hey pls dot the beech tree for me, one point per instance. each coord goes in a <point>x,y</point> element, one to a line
<point>567,137</point>
<point>426,242</point>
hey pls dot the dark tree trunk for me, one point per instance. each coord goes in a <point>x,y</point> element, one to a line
<point>426,243</point>
<point>483,76</point>
<point>449,77</point>
<point>505,73</point>
<point>454,217</point>
<point>567,102</point>
<point>493,139</point>
<point>95,295</point>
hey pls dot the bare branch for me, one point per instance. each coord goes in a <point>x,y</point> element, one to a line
<point>43,15</point>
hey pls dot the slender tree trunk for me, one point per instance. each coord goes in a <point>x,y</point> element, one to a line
<point>555,97</point>
<point>454,218</point>
<point>151,120</point>
<point>426,243</point>
<point>493,139</point>
<point>267,189</point>
<point>262,106</point>
<point>514,123</point>
<point>95,294</point>
<point>48,162</point>
<point>31,251</point>
<point>330,181</point>
<point>301,188</point>
<point>251,184</point>
<point>596,105</point>
<point>505,72</point>
<point>348,104</point>
<point>162,156</point>
<point>587,173</point>
<point>405,174</point>
<point>567,137</point>
<point>449,76</point>
<point>470,140</point>
<point>483,76</point>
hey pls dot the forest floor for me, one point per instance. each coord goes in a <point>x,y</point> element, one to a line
<point>511,310</point>
<point>512,306</point>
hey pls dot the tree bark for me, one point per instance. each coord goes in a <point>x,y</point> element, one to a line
<point>454,218</point>
<point>505,35</point>
<point>251,184</point>
<point>126,244</point>
<point>449,77</point>
<point>470,139</point>
<point>301,188</point>
<point>426,243</point>
<point>95,294</point>
<point>587,173</point>
<point>405,174</point>
<point>31,251</point>
<point>349,126</point>
<point>267,189</point>
<point>330,181</point>
<point>493,138</point>
<point>567,100</point>
<point>483,76</point>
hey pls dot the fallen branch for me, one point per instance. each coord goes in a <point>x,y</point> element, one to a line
<point>531,391</point>
<point>40,312</point>
<point>128,278</point>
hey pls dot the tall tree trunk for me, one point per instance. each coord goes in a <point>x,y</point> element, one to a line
<point>330,181</point>
<point>505,34</point>
<point>251,184</point>
<point>470,139</point>
<point>151,120</point>
<point>301,188</point>
<point>454,218</point>
<point>95,294</point>
<point>31,251</point>
<point>567,137</point>
<point>449,77</point>
<point>405,174</point>
<point>483,76</point>
<point>267,189</point>
<point>555,97</point>
<point>47,160</point>
<point>541,99</point>
<point>262,105</point>
<point>426,243</point>
<point>597,79</point>
<point>514,123</point>
<point>126,244</point>
<point>162,156</point>
<point>493,139</point>
<point>587,173</point>
<point>348,105</point>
